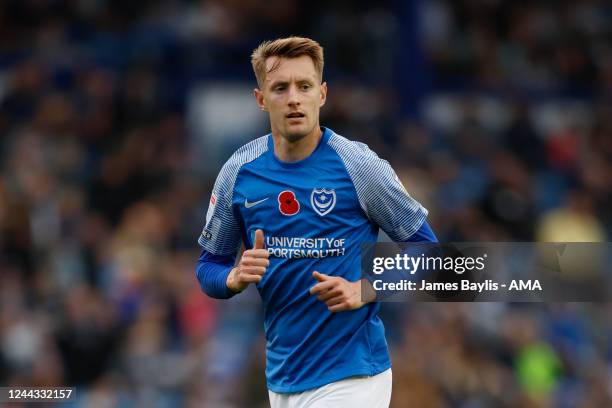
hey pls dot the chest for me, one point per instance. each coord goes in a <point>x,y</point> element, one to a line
<point>297,201</point>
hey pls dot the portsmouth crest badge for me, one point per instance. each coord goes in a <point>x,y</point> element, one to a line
<point>322,200</point>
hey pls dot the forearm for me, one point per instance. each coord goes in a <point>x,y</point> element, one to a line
<point>424,239</point>
<point>423,234</point>
<point>212,272</point>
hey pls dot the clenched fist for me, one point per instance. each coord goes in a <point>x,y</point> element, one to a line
<point>251,267</point>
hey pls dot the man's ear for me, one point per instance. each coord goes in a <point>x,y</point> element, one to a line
<point>259,98</point>
<point>323,93</point>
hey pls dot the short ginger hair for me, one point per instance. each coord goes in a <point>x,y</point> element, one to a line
<point>289,47</point>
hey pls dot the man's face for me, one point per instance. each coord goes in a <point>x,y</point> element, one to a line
<point>293,95</point>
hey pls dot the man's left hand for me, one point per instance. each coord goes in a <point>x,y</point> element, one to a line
<point>338,294</point>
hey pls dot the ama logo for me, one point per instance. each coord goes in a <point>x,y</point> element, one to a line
<point>322,200</point>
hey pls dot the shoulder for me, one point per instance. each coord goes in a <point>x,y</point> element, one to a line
<point>229,172</point>
<point>357,157</point>
<point>245,154</point>
<point>350,149</point>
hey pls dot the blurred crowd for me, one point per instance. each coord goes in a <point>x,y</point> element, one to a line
<point>103,191</point>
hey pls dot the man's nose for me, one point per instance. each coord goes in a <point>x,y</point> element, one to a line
<point>293,97</point>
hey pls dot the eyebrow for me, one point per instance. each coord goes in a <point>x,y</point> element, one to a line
<point>284,82</point>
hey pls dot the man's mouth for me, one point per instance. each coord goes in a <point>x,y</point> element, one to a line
<point>295,115</point>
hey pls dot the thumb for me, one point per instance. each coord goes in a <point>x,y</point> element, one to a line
<point>321,277</point>
<point>259,239</point>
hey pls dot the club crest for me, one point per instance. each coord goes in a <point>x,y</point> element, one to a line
<point>322,200</point>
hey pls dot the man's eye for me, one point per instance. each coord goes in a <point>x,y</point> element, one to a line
<point>305,87</point>
<point>279,88</point>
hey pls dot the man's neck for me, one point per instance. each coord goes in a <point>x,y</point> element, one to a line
<point>299,150</point>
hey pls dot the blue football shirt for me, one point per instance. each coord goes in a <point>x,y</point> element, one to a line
<point>315,214</point>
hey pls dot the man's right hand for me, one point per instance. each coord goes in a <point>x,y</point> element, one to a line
<point>251,267</point>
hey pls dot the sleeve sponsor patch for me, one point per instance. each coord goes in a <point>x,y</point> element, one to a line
<point>211,207</point>
<point>206,234</point>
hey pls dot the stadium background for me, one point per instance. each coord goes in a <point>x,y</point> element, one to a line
<point>116,115</point>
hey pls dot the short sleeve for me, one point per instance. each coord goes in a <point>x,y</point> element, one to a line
<point>387,202</point>
<point>381,194</point>
<point>221,233</point>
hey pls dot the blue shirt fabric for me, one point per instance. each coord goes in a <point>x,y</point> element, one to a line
<point>315,214</point>
<point>212,270</point>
